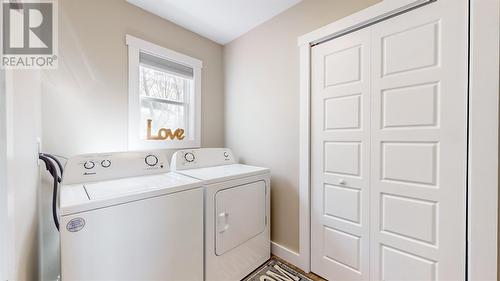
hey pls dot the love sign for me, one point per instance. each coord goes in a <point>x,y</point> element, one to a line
<point>164,134</point>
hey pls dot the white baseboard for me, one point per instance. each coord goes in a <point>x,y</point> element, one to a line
<point>288,255</point>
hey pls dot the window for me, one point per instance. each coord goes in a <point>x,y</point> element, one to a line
<point>164,97</point>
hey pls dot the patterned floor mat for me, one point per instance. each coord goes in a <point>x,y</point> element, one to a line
<point>275,270</point>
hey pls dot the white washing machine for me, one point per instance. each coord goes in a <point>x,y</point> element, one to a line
<point>237,217</point>
<point>124,216</point>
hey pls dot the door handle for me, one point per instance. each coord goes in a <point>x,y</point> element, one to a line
<point>223,217</point>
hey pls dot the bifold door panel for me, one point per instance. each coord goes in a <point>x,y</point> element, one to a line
<point>240,215</point>
<point>388,135</point>
<point>341,157</point>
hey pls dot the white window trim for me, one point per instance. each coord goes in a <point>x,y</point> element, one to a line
<point>483,129</point>
<point>135,45</point>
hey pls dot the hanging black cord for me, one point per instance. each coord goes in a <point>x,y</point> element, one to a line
<point>49,165</point>
<point>57,162</point>
<point>53,171</point>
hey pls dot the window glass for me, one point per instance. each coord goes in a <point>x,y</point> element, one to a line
<point>162,85</point>
<point>163,115</point>
<point>164,93</point>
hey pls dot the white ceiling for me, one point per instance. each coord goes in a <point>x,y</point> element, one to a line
<point>218,20</point>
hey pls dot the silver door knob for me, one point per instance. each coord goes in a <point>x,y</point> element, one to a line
<point>341,181</point>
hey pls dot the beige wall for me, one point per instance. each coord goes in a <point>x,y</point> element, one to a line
<point>262,101</point>
<point>85,99</point>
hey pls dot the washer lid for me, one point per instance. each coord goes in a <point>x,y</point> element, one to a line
<point>224,173</point>
<point>84,197</point>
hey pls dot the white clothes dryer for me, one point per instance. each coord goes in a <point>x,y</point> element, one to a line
<point>237,217</point>
<point>124,216</point>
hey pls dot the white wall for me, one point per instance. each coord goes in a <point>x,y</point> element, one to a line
<point>22,129</point>
<point>262,101</point>
<point>3,180</point>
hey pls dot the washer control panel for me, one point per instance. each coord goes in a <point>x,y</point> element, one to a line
<point>151,160</point>
<point>201,158</point>
<point>107,166</point>
<point>106,163</point>
<point>89,165</point>
<point>189,157</point>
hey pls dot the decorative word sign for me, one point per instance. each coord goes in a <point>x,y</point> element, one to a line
<point>164,134</point>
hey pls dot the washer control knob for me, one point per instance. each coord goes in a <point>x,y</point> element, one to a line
<point>226,154</point>
<point>89,165</point>
<point>151,160</point>
<point>189,157</point>
<point>105,163</point>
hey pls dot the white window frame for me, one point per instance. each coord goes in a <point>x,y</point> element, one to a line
<point>135,47</point>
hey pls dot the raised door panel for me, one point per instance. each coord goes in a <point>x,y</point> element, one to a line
<point>396,265</point>
<point>342,203</point>
<point>409,162</point>
<point>412,106</point>
<point>342,66</point>
<point>418,144</point>
<point>342,112</point>
<point>340,157</point>
<point>410,49</point>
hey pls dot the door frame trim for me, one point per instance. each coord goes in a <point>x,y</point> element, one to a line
<point>483,119</point>
<point>3,175</point>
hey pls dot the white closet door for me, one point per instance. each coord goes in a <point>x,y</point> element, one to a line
<point>388,155</point>
<point>340,161</point>
<point>418,137</point>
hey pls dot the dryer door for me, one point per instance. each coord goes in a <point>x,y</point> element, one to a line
<point>240,215</point>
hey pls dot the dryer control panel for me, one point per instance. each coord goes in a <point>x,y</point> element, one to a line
<point>202,158</point>
<point>108,166</point>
